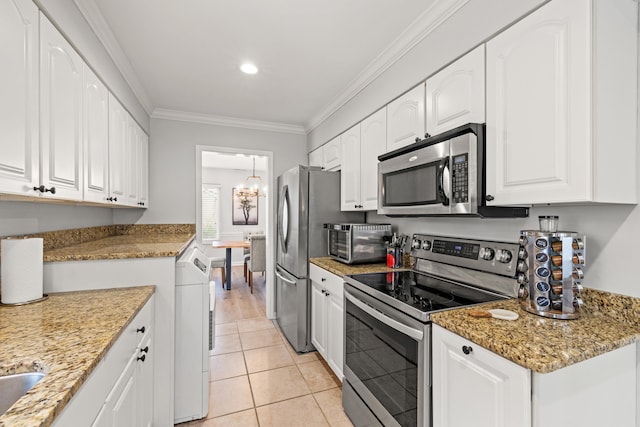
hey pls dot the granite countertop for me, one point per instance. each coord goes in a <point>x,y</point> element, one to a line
<point>122,246</point>
<point>65,336</point>
<point>341,269</point>
<point>538,343</point>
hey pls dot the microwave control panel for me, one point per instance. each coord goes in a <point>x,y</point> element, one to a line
<point>460,178</point>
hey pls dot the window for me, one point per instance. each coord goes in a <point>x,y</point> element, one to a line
<point>210,212</point>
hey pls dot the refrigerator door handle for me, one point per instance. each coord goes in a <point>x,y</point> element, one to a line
<point>283,219</point>
<point>284,279</point>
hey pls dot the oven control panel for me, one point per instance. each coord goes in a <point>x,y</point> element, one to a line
<point>484,255</point>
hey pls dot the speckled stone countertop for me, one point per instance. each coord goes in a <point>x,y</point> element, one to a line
<point>342,269</point>
<point>124,246</point>
<point>116,242</point>
<point>538,343</point>
<point>65,336</point>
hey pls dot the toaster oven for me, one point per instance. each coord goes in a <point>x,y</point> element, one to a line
<point>357,243</point>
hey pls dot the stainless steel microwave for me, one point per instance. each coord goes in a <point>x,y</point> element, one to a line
<point>437,176</point>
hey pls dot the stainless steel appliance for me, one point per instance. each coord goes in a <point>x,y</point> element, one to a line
<point>308,197</point>
<point>387,365</point>
<point>357,243</point>
<point>551,267</point>
<point>440,175</point>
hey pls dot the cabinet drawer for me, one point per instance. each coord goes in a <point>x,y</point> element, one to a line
<point>331,282</point>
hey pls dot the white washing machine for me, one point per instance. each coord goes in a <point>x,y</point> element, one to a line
<point>195,306</point>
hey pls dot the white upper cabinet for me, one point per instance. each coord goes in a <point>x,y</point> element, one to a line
<point>95,138</point>
<point>316,157</point>
<point>60,115</point>
<point>143,170</point>
<point>350,172</point>
<point>332,154</point>
<point>19,101</point>
<point>406,119</point>
<point>455,95</point>
<point>372,144</point>
<point>118,134</point>
<point>133,161</point>
<point>562,105</point>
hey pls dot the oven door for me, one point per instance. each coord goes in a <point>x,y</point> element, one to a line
<point>416,183</point>
<point>387,362</point>
<point>339,244</point>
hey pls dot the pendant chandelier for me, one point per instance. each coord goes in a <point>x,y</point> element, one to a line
<point>253,185</point>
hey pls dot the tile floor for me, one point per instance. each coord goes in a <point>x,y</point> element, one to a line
<point>257,379</point>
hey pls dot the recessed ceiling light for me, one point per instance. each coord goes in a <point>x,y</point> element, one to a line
<point>249,68</point>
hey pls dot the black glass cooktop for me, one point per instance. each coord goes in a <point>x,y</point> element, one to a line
<point>423,292</point>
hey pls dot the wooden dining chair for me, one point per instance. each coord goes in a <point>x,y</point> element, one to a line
<point>258,257</point>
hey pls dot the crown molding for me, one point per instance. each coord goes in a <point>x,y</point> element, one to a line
<point>210,119</point>
<point>419,29</point>
<point>96,21</point>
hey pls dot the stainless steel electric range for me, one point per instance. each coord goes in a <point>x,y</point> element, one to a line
<point>387,362</point>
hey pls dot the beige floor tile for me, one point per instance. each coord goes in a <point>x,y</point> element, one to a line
<point>261,359</point>
<point>258,324</point>
<point>302,411</point>
<point>317,376</point>
<point>299,358</point>
<point>226,344</point>
<point>226,329</point>
<point>227,366</point>
<point>239,419</point>
<point>330,402</point>
<point>229,396</point>
<point>277,384</point>
<point>257,339</point>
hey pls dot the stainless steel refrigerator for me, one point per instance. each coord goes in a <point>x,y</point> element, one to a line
<point>308,197</point>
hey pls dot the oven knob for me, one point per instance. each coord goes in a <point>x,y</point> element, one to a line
<point>487,253</point>
<point>426,245</point>
<point>415,244</point>
<point>503,256</point>
<point>522,253</point>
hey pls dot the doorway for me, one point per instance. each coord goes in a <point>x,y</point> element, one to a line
<point>223,175</point>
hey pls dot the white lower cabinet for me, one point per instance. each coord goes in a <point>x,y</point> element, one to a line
<point>473,386</point>
<point>119,392</point>
<point>327,317</point>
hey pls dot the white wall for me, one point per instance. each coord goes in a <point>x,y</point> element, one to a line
<point>26,217</point>
<point>612,231</point>
<point>172,160</point>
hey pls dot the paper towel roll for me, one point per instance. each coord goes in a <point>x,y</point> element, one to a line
<point>20,270</point>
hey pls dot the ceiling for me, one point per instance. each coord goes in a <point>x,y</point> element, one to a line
<point>184,56</point>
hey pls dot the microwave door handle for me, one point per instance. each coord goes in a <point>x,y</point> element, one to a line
<point>378,315</point>
<point>444,178</point>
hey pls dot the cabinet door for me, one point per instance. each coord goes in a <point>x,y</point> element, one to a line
<point>19,106</point>
<point>118,133</point>
<point>318,319</point>
<point>143,170</point>
<point>60,115</point>
<point>102,420</point>
<point>121,402</point>
<point>144,383</point>
<point>405,119</point>
<point>455,95</point>
<point>538,114</point>
<point>332,154</point>
<point>133,162</point>
<point>316,158</point>
<point>372,144</point>
<point>350,172</point>
<point>474,387</point>
<point>335,333</point>
<point>95,137</point>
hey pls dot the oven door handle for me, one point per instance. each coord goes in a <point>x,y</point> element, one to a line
<point>378,315</point>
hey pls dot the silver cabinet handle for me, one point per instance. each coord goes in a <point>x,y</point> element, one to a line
<point>378,315</point>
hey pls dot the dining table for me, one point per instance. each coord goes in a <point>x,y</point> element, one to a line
<point>228,245</point>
